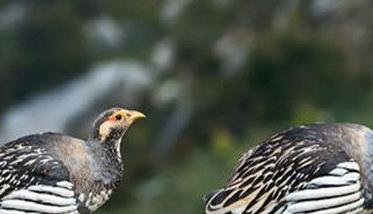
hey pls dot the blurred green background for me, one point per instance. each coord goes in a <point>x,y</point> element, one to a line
<point>214,77</point>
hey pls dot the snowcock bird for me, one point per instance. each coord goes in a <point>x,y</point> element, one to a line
<point>55,173</point>
<point>316,168</point>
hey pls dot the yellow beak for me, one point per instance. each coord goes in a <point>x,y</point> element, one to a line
<point>132,116</point>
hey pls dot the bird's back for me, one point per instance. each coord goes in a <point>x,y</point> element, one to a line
<point>289,162</point>
<point>32,179</point>
<point>48,159</point>
<point>70,151</point>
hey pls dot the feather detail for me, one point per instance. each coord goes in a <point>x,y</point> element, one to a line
<point>301,170</point>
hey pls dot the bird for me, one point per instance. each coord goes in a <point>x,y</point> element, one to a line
<point>56,173</point>
<point>318,168</point>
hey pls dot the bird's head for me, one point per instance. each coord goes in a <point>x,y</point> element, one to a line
<point>113,123</point>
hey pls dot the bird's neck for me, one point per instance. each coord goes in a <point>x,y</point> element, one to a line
<point>105,173</point>
<point>109,160</point>
<point>112,148</point>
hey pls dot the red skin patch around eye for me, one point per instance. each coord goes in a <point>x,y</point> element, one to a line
<point>112,119</point>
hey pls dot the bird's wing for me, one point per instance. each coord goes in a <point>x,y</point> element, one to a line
<point>274,176</point>
<point>339,191</point>
<point>33,181</point>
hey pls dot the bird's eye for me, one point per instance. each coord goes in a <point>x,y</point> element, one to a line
<point>118,117</point>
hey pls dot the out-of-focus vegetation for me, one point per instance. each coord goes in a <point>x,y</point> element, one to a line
<point>225,74</point>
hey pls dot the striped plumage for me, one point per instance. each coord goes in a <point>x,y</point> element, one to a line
<point>54,173</point>
<point>316,168</point>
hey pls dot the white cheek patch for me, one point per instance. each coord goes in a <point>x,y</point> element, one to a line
<point>105,128</point>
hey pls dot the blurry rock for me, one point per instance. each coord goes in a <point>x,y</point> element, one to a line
<point>335,8</point>
<point>104,32</point>
<point>167,92</point>
<point>233,48</point>
<point>12,14</point>
<point>163,54</point>
<point>172,8</point>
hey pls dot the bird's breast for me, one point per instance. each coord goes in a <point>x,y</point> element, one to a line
<point>95,199</point>
<point>94,173</point>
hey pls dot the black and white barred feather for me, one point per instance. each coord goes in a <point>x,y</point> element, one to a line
<point>32,181</point>
<point>319,169</point>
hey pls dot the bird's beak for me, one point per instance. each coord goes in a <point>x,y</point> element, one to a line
<point>134,115</point>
